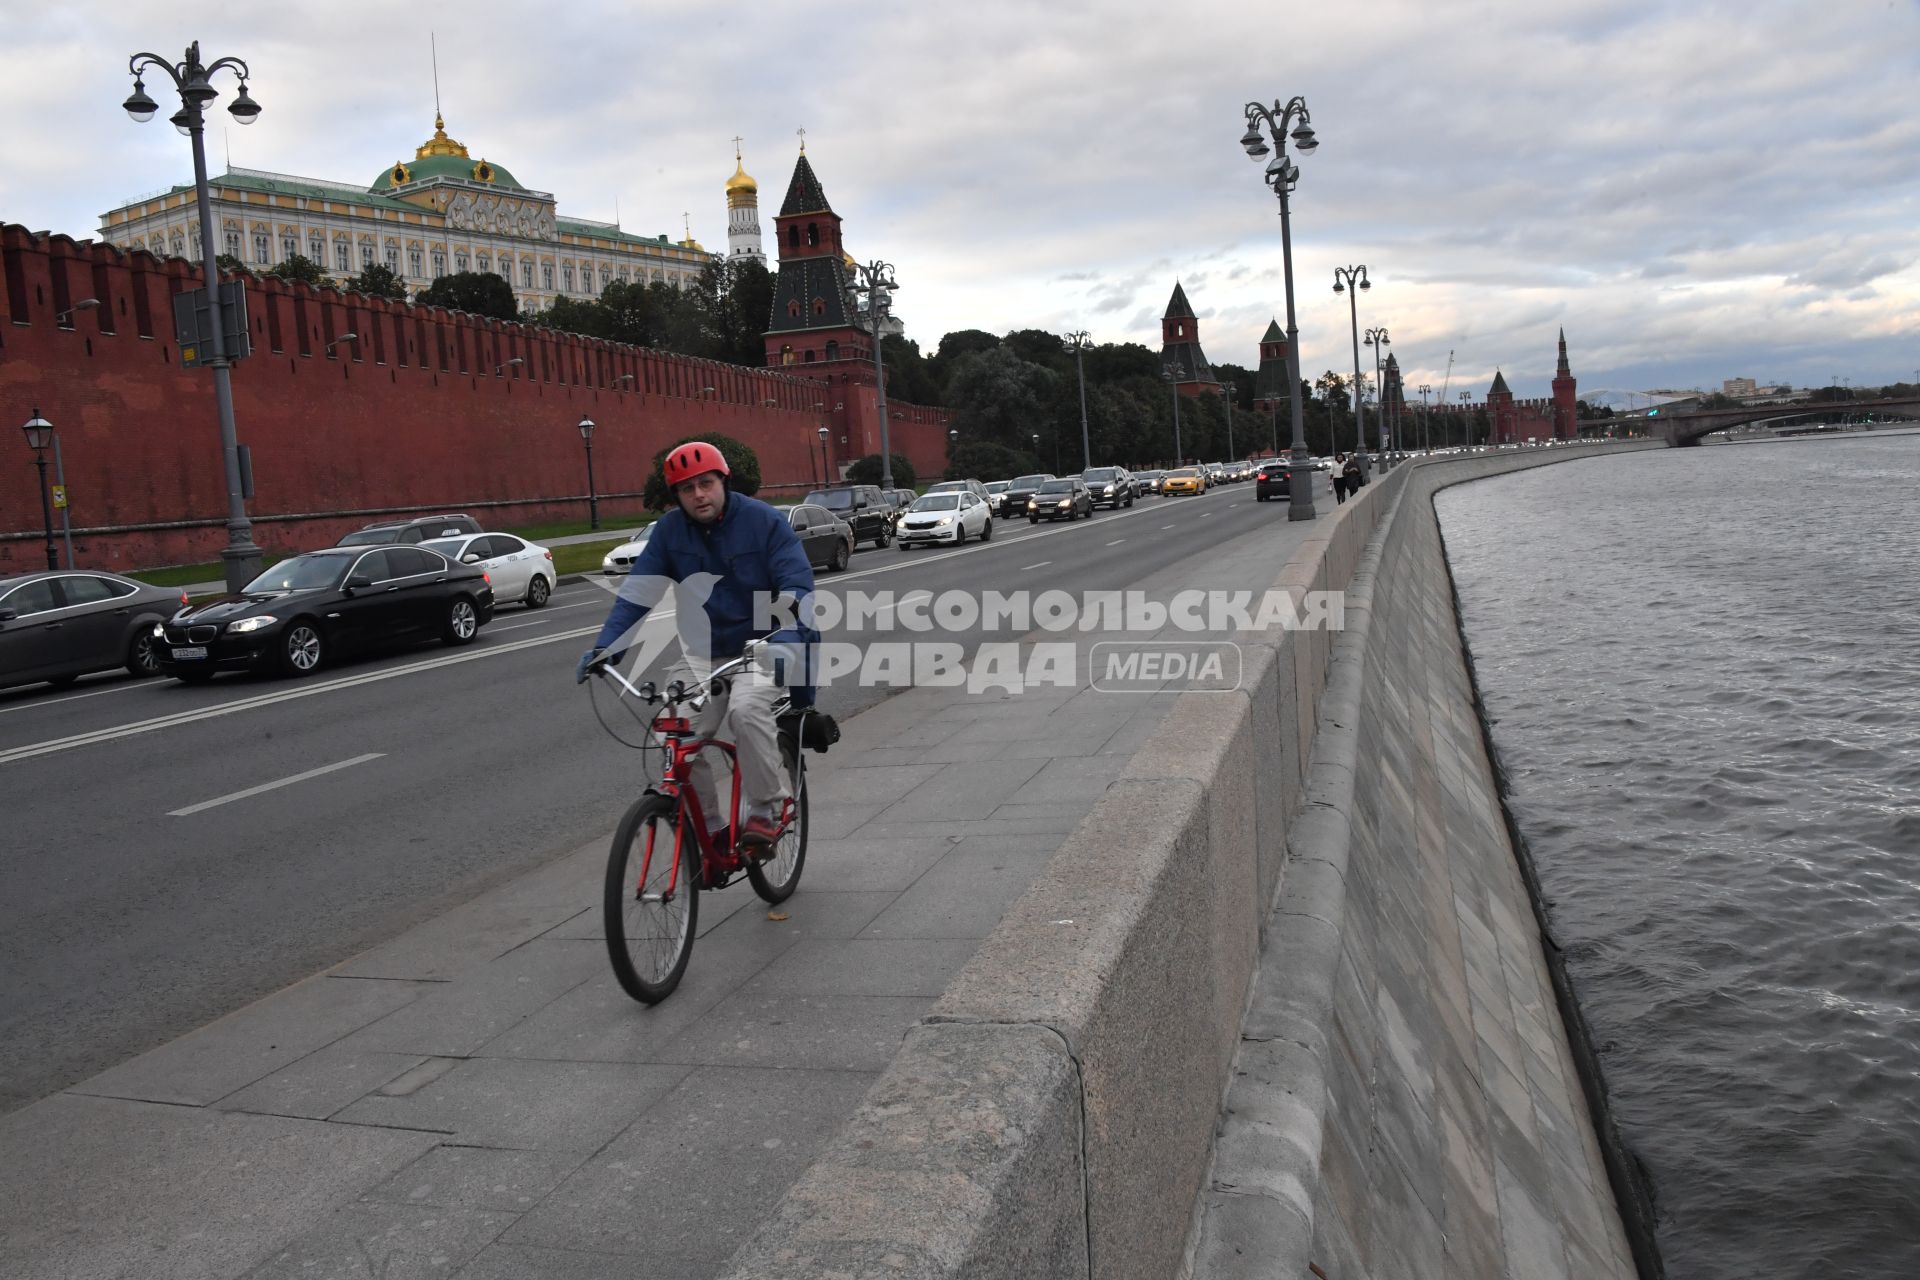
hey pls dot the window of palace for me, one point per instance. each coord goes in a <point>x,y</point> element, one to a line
<point>393,256</point>
<point>260,252</point>
<point>526,274</point>
<point>566,277</point>
<point>460,260</point>
<point>484,263</point>
<point>179,245</point>
<point>413,263</point>
<point>546,275</point>
<point>318,246</point>
<point>289,246</point>
<point>366,254</point>
<point>233,243</point>
<point>439,263</point>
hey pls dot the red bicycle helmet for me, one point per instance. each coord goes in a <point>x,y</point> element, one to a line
<point>692,459</point>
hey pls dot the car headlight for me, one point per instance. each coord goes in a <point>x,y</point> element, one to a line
<point>1031,504</point>
<point>251,624</point>
<point>1064,502</point>
<point>944,520</point>
<point>1108,491</point>
<point>159,631</point>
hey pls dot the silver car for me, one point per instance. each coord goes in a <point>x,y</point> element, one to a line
<point>59,626</point>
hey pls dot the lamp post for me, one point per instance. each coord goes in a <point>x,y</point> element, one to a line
<point>345,337</point>
<point>85,304</point>
<point>593,494</point>
<point>876,280</point>
<point>1377,339</point>
<point>1426,420</point>
<point>39,435</point>
<point>501,368</point>
<point>1231,389</point>
<point>1036,448</point>
<point>1282,175</point>
<point>1172,373</point>
<point>1353,281</point>
<point>1466,422</point>
<point>1078,342</point>
<point>826,473</point>
<point>194,83</point>
<point>953,442</point>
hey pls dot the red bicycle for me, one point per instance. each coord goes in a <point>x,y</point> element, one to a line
<point>663,852</point>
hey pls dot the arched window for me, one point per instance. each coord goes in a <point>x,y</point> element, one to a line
<point>793,237</point>
<point>342,255</point>
<point>793,309</point>
<point>413,263</point>
<point>260,250</point>
<point>819,306</point>
<point>833,350</point>
<point>566,277</point>
<point>393,256</point>
<point>813,233</point>
<point>317,247</point>
<point>786,354</point>
<point>289,246</point>
<point>809,355</point>
<point>233,242</point>
<point>179,245</point>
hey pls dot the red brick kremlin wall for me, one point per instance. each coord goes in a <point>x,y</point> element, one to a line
<point>410,418</point>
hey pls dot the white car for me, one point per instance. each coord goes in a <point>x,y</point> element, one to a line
<point>619,560</point>
<point>944,517</point>
<point>518,569</point>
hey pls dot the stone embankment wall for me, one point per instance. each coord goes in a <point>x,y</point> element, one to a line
<point>423,410</point>
<point>1304,890</point>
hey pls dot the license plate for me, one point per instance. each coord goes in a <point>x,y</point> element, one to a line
<point>184,655</point>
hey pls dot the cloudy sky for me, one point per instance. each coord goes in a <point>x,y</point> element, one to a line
<point>1695,190</point>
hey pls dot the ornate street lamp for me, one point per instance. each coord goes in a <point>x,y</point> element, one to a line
<point>39,436</point>
<point>1426,419</point>
<point>1282,175</point>
<point>1378,340</point>
<point>826,473</point>
<point>1078,342</point>
<point>593,494</point>
<point>194,83</point>
<point>876,280</point>
<point>1353,281</point>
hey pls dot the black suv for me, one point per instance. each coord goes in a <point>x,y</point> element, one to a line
<point>862,507</point>
<point>419,530</point>
<point>1014,501</point>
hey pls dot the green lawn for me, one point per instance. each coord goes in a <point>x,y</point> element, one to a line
<point>582,557</point>
<point>567,528</point>
<point>180,575</point>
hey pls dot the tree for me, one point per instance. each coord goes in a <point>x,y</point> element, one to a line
<point>300,267</point>
<point>983,459</point>
<point>228,264</point>
<point>376,280</point>
<point>867,471</point>
<point>742,462</point>
<point>483,293</point>
<point>998,396</point>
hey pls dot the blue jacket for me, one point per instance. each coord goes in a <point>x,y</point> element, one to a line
<point>752,550</point>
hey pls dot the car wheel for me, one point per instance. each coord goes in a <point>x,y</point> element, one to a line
<point>301,648</point>
<point>960,534</point>
<point>882,538</point>
<point>840,557</point>
<point>986,531</point>
<point>1073,513</point>
<point>539,591</point>
<point>141,659</point>
<point>463,622</point>
<point>1033,519</point>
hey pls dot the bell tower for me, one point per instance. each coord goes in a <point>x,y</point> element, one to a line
<point>812,320</point>
<point>1565,403</point>
<point>1180,347</point>
<point>743,212</point>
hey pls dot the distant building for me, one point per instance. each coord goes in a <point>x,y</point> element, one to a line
<point>440,213</point>
<point>1180,351</point>
<point>1739,387</point>
<point>743,213</point>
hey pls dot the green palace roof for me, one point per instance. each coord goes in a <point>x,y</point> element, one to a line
<point>428,168</point>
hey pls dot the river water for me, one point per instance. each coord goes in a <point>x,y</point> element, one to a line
<point>1703,669</point>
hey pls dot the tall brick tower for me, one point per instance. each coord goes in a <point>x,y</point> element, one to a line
<point>1270,383</point>
<point>1180,347</point>
<point>1502,419</point>
<point>1565,404</point>
<point>1393,399</point>
<point>810,322</point>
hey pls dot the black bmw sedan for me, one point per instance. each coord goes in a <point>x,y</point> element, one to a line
<point>319,606</point>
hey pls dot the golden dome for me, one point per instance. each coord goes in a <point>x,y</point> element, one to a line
<point>741,188</point>
<point>439,144</point>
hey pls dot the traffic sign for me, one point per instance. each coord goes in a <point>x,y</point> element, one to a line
<point>193,324</point>
<point>59,497</point>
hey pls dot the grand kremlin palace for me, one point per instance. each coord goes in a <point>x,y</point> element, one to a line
<point>439,213</point>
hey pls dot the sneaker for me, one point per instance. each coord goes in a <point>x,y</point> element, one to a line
<point>759,832</point>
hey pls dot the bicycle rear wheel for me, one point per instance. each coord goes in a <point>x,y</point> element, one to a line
<point>650,926</point>
<point>775,877</point>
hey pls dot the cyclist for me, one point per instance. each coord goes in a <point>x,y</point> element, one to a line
<point>752,556</point>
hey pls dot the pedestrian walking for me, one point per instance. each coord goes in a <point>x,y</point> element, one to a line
<point>1355,476</point>
<point>1339,477</point>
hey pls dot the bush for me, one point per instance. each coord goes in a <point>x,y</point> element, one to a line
<point>743,462</point>
<point>867,471</point>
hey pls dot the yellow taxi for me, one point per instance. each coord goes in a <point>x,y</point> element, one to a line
<point>1185,480</point>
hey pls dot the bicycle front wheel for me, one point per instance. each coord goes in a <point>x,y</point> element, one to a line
<point>652,900</point>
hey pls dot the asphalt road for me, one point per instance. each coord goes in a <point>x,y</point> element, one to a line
<point>146,896</point>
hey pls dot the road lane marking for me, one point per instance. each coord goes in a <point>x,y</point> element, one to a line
<point>133,683</point>
<point>1116,542</point>
<point>907,599</point>
<point>285,695</point>
<point>217,801</point>
<point>1166,526</point>
<point>1043,564</point>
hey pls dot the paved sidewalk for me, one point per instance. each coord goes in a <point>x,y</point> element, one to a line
<point>477,1097</point>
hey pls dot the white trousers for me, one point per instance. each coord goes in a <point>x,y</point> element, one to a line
<point>744,718</point>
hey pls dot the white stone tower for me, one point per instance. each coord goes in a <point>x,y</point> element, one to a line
<point>743,212</point>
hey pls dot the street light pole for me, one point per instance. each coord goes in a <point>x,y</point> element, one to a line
<point>876,280</point>
<point>1376,339</point>
<point>1179,454</point>
<point>593,494</point>
<point>1426,419</point>
<point>66,500</point>
<point>194,82</point>
<point>1078,340</point>
<point>1231,390</point>
<point>39,433</point>
<point>1352,281</point>
<point>1466,422</point>
<point>1282,174</point>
